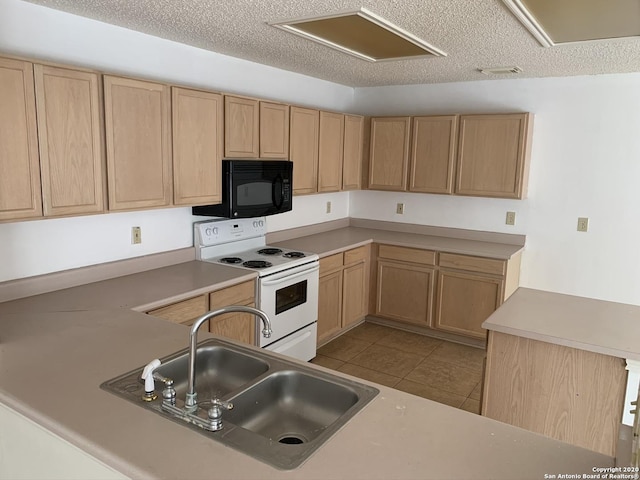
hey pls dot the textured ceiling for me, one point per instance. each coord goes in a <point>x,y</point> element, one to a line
<point>474,33</point>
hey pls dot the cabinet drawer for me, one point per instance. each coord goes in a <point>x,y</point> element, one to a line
<point>356,255</point>
<point>182,312</point>
<point>473,264</point>
<point>332,262</point>
<point>413,255</point>
<point>237,294</point>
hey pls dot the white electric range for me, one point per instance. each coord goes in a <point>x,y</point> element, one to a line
<point>287,286</point>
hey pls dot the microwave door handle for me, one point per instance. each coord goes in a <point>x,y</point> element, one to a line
<point>277,180</point>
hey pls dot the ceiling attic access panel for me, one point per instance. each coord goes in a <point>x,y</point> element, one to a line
<point>362,34</point>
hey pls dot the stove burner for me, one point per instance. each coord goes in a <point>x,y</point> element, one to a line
<point>230,260</point>
<point>256,264</point>
<point>270,251</point>
<point>294,255</point>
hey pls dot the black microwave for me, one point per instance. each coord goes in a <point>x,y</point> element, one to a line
<point>252,188</point>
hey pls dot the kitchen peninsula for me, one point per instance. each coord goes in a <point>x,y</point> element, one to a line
<point>85,335</point>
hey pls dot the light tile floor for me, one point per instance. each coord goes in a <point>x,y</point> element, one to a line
<point>442,371</point>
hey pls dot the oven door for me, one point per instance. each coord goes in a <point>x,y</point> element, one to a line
<point>290,299</point>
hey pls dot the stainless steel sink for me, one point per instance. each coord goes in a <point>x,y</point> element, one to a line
<point>291,407</point>
<point>283,410</point>
<point>219,370</point>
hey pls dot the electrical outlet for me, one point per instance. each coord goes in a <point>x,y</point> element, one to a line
<point>328,207</point>
<point>400,208</point>
<point>583,224</point>
<point>136,235</point>
<point>511,218</point>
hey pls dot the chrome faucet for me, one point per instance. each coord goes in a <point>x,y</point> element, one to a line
<point>191,400</point>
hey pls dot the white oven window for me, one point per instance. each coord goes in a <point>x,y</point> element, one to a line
<point>291,296</point>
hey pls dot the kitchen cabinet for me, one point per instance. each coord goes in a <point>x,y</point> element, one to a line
<point>470,289</point>
<point>433,154</point>
<point>241,127</point>
<point>138,140</point>
<point>185,312</point>
<point>237,325</point>
<point>70,140</point>
<point>274,130</point>
<point>343,292</point>
<point>405,278</point>
<point>493,155</point>
<point>20,190</point>
<point>304,138</point>
<point>330,152</point>
<point>197,119</point>
<point>561,392</point>
<point>389,153</point>
<point>352,157</point>
<point>330,297</point>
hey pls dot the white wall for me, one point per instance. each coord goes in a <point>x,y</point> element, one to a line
<point>43,246</point>
<point>585,162</point>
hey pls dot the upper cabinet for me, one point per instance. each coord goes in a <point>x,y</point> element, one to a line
<point>330,152</point>
<point>389,155</point>
<point>433,154</point>
<point>274,130</point>
<point>352,162</point>
<point>305,128</point>
<point>138,138</point>
<point>197,146</point>
<point>241,127</point>
<point>20,195</point>
<point>493,155</point>
<point>71,141</point>
<point>491,160</point>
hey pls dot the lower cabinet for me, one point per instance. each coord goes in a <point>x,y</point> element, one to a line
<point>236,326</point>
<point>448,292</point>
<point>344,291</point>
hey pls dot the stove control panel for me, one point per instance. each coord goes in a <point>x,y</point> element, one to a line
<point>217,232</point>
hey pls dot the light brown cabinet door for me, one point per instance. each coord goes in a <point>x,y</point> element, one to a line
<point>70,140</point>
<point>352,166</point>
<point>274,130</point>
<point>241,127</point>
<point>404,292</point>
<point>197,146</point>
<point>237,326</point>
<point>305,128</point>
<point>330,152</point>
<point>20,195</point>
<point>433,154</point>
<point>138,138</point>
<point>465,300</point>
<point>354,295</point>
<point>389,153</point>
<point>493,152</point>
<point>185,312</point>
<point>329,306</point>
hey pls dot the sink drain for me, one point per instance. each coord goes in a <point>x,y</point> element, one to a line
<point>291,440</point>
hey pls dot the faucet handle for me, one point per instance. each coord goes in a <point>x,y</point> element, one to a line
<point>215,413</point>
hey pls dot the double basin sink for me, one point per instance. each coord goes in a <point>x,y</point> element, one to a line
<point>282,412</point>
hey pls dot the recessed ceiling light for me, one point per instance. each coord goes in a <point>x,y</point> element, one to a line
<point>500,70</point>
<point>362,34</point>
<point>553,23</point>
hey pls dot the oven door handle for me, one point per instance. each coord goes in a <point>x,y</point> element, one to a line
<point>287,276</point>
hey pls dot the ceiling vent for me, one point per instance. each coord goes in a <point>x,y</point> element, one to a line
<point>500,70</point>
<point>362,34</point>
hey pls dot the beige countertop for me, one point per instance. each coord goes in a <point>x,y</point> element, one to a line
<point>140,291</point>
<point>585,323</point>
<point>334,241</point>
<point>397,436</point>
